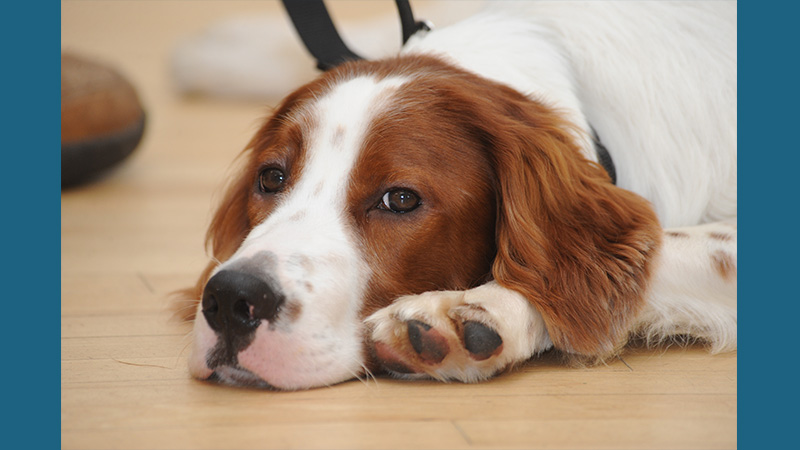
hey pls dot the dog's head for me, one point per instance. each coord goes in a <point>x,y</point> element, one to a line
<point>397,177</point>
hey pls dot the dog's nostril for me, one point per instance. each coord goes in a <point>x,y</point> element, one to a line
<point>242,310</point>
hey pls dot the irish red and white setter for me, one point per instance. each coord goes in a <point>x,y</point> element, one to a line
<point>444,213</point>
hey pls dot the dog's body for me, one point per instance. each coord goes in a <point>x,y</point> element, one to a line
<point>443,214</point>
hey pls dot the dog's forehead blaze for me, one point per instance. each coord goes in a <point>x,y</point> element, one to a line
<point>315,136</point>
<point>333,128</point>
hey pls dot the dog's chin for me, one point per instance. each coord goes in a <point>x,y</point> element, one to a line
<point>236,376</point>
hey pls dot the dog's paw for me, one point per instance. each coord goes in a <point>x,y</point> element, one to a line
<point>457,335</point>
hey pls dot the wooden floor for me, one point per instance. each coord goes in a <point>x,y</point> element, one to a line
<point>136,235</point>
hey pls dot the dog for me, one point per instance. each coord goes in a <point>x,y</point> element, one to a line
<point>537,176</point>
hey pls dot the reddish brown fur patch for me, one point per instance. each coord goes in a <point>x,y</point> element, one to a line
<point>448,241</point>
<point>723,264</point>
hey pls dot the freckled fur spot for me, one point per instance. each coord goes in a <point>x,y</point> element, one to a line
<point>292,311</point>
<point>724,265</point>
<point>338,137</point>
<point>720,236</point>
<point>677,234</point>
<point>298,216</point>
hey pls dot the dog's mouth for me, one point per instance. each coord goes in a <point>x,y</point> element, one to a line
<point>237,376</point>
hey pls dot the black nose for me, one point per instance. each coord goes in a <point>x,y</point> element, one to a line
<point>234,303</point>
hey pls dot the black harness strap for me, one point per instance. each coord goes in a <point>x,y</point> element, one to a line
<point>407,22</point>
<point>603,157</point>
<point>317,31</point>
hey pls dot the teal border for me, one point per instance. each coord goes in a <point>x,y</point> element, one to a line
<point>31,218</point>
<point>768,244</point>
<point>768,97</point>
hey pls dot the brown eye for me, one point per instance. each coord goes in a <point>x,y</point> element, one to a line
<point>271,180</point>
<point>399,201</point>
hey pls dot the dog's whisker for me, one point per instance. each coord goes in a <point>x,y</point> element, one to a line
<point>368,375</point>
<point>186,341</point>
<point>365,377</point>
<point>188,338</point>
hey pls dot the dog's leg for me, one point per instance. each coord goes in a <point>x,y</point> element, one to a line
<point>693,290</point>
<point>457,335</point>
<point>472,335</point>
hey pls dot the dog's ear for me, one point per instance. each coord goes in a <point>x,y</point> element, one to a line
<point>578,247</point>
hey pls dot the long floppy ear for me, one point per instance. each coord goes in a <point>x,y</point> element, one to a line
<point>578,247</point>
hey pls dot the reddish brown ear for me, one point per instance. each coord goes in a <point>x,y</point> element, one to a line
<point>577,246</point>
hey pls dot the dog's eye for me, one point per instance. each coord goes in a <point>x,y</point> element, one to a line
<point>271,180</point>
<point>399,201</point>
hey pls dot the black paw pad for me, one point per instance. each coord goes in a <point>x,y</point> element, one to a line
<point>481,341</point>
<point>427,342</point>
